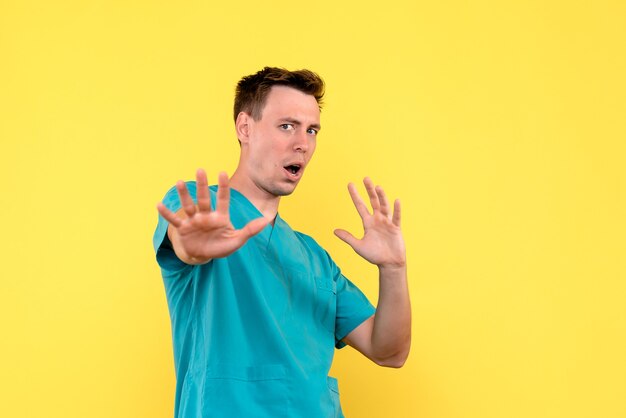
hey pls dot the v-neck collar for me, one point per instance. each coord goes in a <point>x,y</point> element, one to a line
<point>252,212</point>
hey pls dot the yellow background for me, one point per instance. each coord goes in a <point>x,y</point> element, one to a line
<point>500,125</point>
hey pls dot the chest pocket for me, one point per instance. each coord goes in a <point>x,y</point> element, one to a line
<point>311,295</point>
<point>326,302</point>
<point>313,299</point>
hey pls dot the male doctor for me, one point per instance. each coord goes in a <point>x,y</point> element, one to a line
<point>257,308</point>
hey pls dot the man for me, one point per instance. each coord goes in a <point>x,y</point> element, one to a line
<point>257,308</point>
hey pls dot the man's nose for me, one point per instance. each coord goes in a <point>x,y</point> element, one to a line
<point>301,141</point>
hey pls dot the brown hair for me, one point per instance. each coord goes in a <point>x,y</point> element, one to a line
<point>252,90</point>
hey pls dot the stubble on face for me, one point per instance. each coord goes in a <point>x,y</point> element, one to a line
<point>276,141</point>
<point>274,187</point>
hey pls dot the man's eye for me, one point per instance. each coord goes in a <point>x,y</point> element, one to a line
<point>312,131</point>
<point>286,126</point>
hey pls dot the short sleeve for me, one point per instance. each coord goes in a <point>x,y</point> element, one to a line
<point>165,255</point>
<point>353,308</point>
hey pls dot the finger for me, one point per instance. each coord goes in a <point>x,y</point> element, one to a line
<point>185,199</point>
<point>223,194</point>
<point>384,203</point>
<point>369,186</point>
<point>169,215</point>
<point>346,237</point>
<point>396,213</point>
<point>358,202</point>
<point>202,194</point>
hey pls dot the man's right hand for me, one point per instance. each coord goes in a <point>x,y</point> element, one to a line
<point>198,233</point>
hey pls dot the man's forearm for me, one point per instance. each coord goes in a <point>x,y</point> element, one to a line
<point>391,335</point>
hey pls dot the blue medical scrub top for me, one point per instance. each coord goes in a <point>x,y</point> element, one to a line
<point>254,333</point>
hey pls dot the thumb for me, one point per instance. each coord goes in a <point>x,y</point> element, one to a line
<point>346,237</point>
<point>254,227</point>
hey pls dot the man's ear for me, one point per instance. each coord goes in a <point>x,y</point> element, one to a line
<point>242,126</point>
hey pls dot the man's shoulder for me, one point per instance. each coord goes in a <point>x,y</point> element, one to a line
<point>171,200</point>
<point>192,188</point>
<point>311,243</point>
<point>318,259</point>
<point>306,238</point>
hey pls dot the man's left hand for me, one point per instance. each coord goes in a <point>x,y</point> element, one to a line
<point>382,243</point>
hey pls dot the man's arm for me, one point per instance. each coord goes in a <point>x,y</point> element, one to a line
<point>384,338</point>
<point>198,233</point>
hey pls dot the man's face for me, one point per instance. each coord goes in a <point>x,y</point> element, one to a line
<point>281,143</point>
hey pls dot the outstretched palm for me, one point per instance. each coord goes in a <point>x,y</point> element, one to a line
<point>382,243</point>
<point>202,233</point>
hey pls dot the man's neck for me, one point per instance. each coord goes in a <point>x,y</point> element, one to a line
<point>265,202</point>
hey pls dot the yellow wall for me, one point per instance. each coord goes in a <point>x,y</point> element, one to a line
<point>500,125</point>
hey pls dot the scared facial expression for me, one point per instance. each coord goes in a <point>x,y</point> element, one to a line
<point>276,149</point>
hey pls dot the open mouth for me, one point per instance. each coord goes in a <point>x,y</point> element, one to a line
<point>293,168</point>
